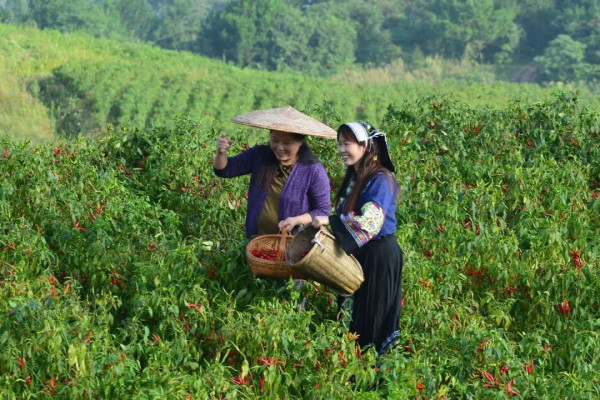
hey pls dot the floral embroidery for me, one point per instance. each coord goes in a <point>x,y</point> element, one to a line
<point>366,226</point>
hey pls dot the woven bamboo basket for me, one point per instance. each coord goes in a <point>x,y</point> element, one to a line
<point>277,268</point>
<point>317,254</point>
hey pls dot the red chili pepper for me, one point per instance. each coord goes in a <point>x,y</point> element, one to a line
<point>76,226</point>
<point>268,361</point>
<point>357,352</point>
<point>528,367</point>
<point>510,390</point>
<point>488,376</point>
<point>343,362</point>
<point>239,380</point>
<point>576,260</point>
<point>265,254</point>
<point>564,308</point>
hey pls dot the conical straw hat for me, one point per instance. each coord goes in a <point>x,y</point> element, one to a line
<point>286,119</point>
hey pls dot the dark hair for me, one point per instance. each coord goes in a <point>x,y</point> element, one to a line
<point>366,168</point>
<point>270,167</point>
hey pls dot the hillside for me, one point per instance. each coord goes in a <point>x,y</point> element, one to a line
<point>77,84</point>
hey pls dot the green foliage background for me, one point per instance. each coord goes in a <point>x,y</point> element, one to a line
<point>122,268</point>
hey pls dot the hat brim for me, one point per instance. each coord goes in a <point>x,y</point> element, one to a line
<point>286,119</point>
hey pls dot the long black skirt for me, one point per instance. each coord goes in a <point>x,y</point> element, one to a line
<point>377,303</point>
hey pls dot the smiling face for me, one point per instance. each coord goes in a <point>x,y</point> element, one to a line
<point>350,150</point>
<point>285,146</point>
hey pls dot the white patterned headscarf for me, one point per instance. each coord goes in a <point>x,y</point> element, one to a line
<point>365,132</point>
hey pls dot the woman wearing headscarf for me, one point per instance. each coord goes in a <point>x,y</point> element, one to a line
<point>365,223</point>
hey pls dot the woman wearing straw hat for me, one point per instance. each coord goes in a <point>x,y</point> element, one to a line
<point>288,183</point>
<point>365,223</point>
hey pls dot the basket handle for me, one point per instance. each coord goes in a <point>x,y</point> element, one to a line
<point>283,233</point>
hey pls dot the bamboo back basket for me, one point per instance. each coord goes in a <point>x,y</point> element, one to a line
<point>317,254</point>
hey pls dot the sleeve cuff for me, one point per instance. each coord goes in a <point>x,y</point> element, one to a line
<point>342,235</point>
<point>219,172</point>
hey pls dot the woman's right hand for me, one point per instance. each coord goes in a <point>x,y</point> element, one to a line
<point>223,144</point>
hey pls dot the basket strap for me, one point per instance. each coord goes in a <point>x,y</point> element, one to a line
<point>315,239</point>
<point>283,233</point>
<point>323,230</point>
<point>317,242</point>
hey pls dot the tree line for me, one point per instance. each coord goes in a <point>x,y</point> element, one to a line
<point>560,39</point>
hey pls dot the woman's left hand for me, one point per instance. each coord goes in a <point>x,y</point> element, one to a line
<point>320,220</point>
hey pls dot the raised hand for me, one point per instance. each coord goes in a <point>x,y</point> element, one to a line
<point>223,144</point>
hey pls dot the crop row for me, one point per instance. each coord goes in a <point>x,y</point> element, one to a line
<point>122,270</point>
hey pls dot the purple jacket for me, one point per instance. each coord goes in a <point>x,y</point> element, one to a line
<point>307,189</point>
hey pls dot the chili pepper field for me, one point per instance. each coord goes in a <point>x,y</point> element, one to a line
<point>123,273</point>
